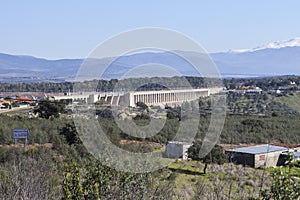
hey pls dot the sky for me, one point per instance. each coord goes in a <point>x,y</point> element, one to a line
<point>72,28</point>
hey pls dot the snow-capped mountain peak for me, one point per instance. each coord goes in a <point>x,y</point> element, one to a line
<point>273,45</point>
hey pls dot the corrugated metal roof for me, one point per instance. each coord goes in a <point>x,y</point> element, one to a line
<point>286,145</point>
<point>259,149</point>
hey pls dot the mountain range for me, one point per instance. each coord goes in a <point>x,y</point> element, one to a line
<point>277,58</point>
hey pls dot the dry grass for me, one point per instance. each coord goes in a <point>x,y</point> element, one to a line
<point>221,181</point>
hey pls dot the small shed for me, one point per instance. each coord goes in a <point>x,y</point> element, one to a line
<point>257,156</point>
<point>175,149</point>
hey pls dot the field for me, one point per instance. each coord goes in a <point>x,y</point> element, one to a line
<point>221,182</point>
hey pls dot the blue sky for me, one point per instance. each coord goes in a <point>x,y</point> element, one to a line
<point>71,29</point>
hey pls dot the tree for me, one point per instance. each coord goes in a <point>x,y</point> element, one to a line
<point>142,117</point>
<point>70,133</point>
<point>216,155</point>
<point>96,181</point>
<point>29,175</point>
<point>47,109</point>
<point>284,185</point>
<point>104,113</point>
<point>186,110</point>
<point>142,105</point>
<point>173,113</point>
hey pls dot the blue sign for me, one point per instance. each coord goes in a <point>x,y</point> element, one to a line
<point>21,133</point>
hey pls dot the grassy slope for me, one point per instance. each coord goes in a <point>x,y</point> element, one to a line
<point>224,181</point>
<point>292,101</point>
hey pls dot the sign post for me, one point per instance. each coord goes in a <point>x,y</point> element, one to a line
<point>21,134</point>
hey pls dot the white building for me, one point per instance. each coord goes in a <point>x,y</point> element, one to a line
<point>178,150</point>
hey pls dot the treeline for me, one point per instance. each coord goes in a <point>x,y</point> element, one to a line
<point>264,83</point>
<point>261,129</point>
<point>154,83</point>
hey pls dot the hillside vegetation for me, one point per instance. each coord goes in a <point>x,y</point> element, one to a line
<point>61,168</point>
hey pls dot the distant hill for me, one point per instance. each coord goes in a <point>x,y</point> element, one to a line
<point>270,60</point>
<point>265,62</point>
<point>14,68</point>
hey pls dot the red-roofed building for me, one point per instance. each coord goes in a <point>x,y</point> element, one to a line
<point>20,99</point>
